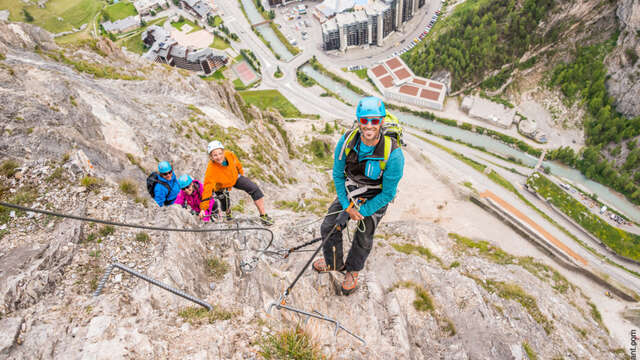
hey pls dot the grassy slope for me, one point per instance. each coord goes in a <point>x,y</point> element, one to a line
<point>218,43</point>
<point>264,99</point>
<point>74,13</point>
<point>120,10</point>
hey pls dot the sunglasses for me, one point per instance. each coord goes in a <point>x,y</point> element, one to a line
<point>373,120</point>
<point>167,173</point>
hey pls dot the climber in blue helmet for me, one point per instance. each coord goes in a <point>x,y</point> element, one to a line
<point>163,185</point>
<point>366,170</point>
<point>190,197</point>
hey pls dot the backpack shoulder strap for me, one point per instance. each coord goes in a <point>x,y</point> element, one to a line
<point>164,184</point>
<point>345,147</point>
<point>387,152</point>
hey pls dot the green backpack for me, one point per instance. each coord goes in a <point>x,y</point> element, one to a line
<point>393,129</point>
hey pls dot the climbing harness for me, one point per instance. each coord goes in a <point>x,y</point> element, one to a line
<point>124,268</point>
<point>281,303</point>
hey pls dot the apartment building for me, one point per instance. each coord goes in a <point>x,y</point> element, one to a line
<point>370,25</point>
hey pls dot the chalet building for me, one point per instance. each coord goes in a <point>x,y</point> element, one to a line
<point>165,50</point>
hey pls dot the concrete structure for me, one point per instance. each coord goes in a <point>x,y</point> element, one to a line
<point>122,25</point>
<point>371,24</point>
<point>397,82</point>
<point>199,8</point>
<point>489,111</point>
<point>166,50</point>
<point>145,6</point>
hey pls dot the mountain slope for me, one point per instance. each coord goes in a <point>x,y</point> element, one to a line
<point>71,141</point>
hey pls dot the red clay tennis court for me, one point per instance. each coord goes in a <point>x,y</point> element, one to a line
<point>245,73</point>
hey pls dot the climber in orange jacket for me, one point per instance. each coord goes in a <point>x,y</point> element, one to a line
<point>224,171</point>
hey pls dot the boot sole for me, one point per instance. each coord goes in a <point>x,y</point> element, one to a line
<point>348,292</point>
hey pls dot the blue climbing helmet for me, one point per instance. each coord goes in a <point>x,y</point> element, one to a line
<point>184,181</point>
<point>164,167</point>
<point>370,106</point>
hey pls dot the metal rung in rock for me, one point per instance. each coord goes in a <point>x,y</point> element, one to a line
<point>175,291</point>
<point>280,304</point>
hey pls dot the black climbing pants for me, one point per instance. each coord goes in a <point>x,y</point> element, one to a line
<point>362,240</point>
<point>243,183</point>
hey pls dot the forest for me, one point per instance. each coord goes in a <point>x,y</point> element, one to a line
<point>583,80</point>
<point>480,36</point>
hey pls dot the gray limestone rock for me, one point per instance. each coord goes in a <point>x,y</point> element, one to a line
<point>10,330</point>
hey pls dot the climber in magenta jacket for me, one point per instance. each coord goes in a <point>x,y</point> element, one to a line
<point>191,195</point>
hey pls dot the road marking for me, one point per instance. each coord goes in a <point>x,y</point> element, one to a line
<point>515,212</point>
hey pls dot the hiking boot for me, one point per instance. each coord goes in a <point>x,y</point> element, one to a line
<point>350,283</point>
<point>228,217</point>
<point>266,220</point>
<point>320,266</point>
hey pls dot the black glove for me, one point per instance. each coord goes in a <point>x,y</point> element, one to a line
<point>342,219</point>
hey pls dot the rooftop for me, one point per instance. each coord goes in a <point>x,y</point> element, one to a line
<point>394,78</point>
<point>121,24</point>
<point>375,8</point>
<point>360,16</point>
<point>387,81</point>
<point>343,19</point>
<point>409,90</point>
<point>330,25</point>
<point>429,94</point>
<point>393,63</point>
<point>402,74</point>
<point>379,70</point>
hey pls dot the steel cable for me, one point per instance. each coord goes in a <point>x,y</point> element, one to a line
<point>136,226</point>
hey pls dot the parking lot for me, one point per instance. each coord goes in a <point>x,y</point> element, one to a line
<point>300,27</point>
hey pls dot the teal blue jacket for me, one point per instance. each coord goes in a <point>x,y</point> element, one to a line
<point>390,177</point>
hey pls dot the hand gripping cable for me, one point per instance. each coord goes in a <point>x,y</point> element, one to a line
<point>281,303</point>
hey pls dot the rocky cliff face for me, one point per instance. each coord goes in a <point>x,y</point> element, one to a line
<point>623,63</point>
<point>72,142</point>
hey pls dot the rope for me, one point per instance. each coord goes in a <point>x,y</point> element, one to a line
<point>315,221</point>
<point>135,226</point>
